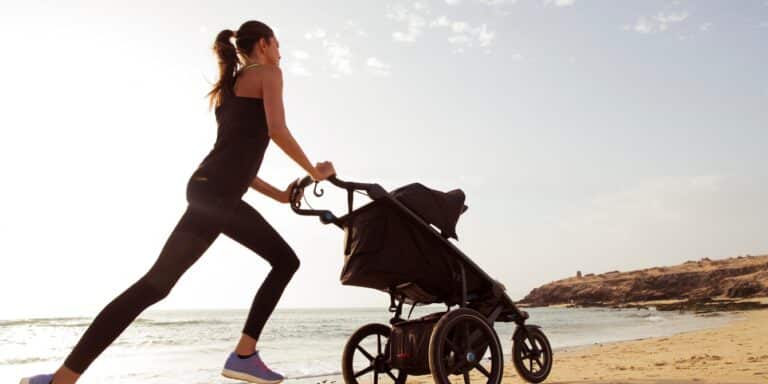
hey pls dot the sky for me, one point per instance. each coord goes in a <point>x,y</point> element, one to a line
<point>586,135</point>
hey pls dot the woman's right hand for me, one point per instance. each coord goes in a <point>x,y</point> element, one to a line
<point>323,170</point>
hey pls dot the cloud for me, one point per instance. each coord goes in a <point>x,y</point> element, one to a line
<point>498,6</point>
<point>452,2</point>
<point>355,28</point>
<point>461,33</point>
<point>440,21</point>
<point>301,55</point>
<point>340,57</point>
<point>458,39</point>
<point>671,18</point>
<point>413,19</point>
<point>484,36</point>
<point>459,26</point>
<point>464,35</point>
<point>377,67</point>
<point>298,68</point>
<point>318,33</point>
<point>658,23</point>
<point>705,27</point>
<point>560,3</point>
<point>497,2</point>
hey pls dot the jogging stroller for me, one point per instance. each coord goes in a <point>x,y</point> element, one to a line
<point>390,245</point>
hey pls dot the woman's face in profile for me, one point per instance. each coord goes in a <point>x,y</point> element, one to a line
<point>272,50</point>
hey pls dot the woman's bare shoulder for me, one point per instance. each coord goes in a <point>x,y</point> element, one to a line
<point>271,70</point>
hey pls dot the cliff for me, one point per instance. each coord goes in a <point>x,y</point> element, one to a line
<point>736,277</point>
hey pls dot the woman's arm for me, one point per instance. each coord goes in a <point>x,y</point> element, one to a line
<point>269,190</point>
<point>278,130</point>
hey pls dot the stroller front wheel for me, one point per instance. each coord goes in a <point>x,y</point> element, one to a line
<point>461,341</point>
<point>365,357</point>
<point>531,354</point>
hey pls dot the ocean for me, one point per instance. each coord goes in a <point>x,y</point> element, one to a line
<point>190,346</point>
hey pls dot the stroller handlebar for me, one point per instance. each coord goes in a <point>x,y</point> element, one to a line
<point>326,216</point>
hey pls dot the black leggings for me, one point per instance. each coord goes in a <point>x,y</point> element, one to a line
<point>205,217</point>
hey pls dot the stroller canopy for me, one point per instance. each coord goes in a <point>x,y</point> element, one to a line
<point>442,209</point>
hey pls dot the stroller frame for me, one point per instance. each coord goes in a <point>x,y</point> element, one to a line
<point>500,308</point>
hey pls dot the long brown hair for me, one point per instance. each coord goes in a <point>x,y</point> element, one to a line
<point>246,36</point>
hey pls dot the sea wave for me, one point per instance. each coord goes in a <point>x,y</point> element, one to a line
<point>50,321</point>
<point>26,360</point>
<point>160,323</point>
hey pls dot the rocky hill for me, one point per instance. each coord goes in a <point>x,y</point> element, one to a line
<point>736,277</point>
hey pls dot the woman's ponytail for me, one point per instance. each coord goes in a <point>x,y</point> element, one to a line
<point>227,58</point>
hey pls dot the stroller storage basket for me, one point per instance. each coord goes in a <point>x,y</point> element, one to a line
<point>409,344</point>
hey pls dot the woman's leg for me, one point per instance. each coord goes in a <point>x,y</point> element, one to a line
<point>249,228</point>
<point>191,237</point>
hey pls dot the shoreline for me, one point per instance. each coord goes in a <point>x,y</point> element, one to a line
<point>705,304</point>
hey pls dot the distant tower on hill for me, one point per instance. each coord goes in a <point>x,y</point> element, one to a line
<point>578,274</point>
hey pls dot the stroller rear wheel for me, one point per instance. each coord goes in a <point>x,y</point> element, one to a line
<point>531,354</point>
<point>461,342</point>
<point>365,358</point>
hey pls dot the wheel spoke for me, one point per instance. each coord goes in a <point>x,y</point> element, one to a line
<point>535,345</point>
<point>466,337</point>
<point>524,348</point>
<point>482,369</point>
<point>473,336</point>
<point>364,371</point>
<point>466,377</point>
<point>541,366</point>
<point>378,343</point>
<point>453,346</point>
<point>460,365</point>
<point>376,378</point>
<point>530,363</point>
<point>389,373</point>
<point>367,355</point>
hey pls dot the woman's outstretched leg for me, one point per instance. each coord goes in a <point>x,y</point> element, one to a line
<point>186,243</point>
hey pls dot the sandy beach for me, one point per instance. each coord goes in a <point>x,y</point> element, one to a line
<point>734,353</point>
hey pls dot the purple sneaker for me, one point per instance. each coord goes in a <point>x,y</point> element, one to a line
<point>38,379</point>
<point>250,369</point>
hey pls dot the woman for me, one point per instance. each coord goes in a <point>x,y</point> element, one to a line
<point>249,112</point>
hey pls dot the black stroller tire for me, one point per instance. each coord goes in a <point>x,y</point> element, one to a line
<point>449,353</point>
<point>379,369</point>
<point>541,355</point>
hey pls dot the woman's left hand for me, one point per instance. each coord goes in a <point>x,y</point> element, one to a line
<point>287,193</point>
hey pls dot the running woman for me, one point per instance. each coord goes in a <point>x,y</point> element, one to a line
<point>249,112</point>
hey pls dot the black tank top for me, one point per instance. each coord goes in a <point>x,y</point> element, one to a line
<point>241,140</point>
